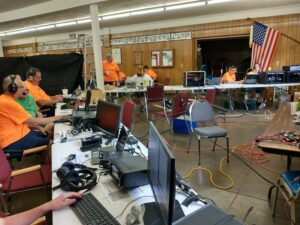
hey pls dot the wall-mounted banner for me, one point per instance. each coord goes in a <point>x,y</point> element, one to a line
<point>152,38</point>
<point>19,50</point>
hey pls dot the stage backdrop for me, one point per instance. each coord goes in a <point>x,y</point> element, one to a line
<point>58,71</point>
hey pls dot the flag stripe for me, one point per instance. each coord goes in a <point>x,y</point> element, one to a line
<point>267,44</point>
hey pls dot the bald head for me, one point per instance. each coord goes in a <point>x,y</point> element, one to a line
<point>139,70</point>
<point>109,58</point>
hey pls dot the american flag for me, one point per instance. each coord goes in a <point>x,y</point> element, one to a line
<point>265,41</point>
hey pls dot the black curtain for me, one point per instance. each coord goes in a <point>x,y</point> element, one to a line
<point>58,71</point>
<point>10,66</point>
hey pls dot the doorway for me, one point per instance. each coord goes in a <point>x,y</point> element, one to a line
<point>215,56</point>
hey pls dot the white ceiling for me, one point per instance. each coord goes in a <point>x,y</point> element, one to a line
<point>8,5</point>
<point>24,13</point>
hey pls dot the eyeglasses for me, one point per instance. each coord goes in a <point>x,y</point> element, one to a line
<point>21,86</point>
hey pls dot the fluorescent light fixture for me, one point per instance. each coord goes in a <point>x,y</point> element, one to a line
<point>84,21</point>
<point>142,12</point>
<point>45,27</point>
<point>65,24</point>
<point>182,6</point>
<point>99,18</point>
<point>116,16</point>
<point>217,1</point>
<point>2,34</point>
<point>21,31</point>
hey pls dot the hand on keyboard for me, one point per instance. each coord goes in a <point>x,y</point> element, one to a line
<point>63,200</point>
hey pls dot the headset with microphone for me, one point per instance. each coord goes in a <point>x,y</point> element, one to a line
<point>12,87</point>
<point>75,177</point>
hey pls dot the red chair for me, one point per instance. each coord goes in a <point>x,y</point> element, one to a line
<point>155,94</point>
<point>179,108</point>
<point>21,180</point>
<point>127,116</point>
<point>210,95</point>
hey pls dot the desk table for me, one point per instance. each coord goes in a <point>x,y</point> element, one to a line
<point>282,121</point>
<point>106,191</point>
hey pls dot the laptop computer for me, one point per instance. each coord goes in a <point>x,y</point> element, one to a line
<point>130,83</point>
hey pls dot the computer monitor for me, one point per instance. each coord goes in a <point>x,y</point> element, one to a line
<point>108,118</point>
<point>161,174</point>
<point>87,100</point>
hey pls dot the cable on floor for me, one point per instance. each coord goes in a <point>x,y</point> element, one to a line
<point>211,175</point>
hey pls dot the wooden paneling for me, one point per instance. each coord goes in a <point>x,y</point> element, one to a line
<point>183,59</point>
<point>287,53</point>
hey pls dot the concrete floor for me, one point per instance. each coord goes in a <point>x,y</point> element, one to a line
<point>248,190</point>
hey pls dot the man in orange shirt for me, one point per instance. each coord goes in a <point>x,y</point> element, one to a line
<point>229,77</point>
<point>15,135</point>
<point>34,78</point>
<point>111,70</point>
<point>151,73</point>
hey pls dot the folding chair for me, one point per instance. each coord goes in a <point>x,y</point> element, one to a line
<point>179,108</point>
<point>290,189</point>
<point>202,112</point>
<point>128,110</point>
<point>155,94</point>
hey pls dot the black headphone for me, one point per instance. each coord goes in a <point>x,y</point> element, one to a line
<point>75,177</point>
<point>12,87</point>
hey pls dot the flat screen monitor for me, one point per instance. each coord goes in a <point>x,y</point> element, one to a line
<point>87,100</point>
<point>161,174</point>
<point>108,118</point>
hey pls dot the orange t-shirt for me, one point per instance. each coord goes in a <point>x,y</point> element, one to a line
<point>122,76</point>
<point>152,74</point>
<point>12,117</point>
<point>228,77</point>
<point>112,68</point>
<point>37,92</point>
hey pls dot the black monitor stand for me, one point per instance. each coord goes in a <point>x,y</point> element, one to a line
<point>152,215</point>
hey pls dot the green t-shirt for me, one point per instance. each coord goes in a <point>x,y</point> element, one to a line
<point>28,104</point>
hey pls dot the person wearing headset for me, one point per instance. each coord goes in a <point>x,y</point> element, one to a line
<point>229,77</point>
<point>33,79</point>
<point>15,135</point>
<point>30,216</point>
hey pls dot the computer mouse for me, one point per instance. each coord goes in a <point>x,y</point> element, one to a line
<point>71,157</point>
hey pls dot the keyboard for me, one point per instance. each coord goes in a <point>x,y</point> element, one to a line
<point>91,212</point>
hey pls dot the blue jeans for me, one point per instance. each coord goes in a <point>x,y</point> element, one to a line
<point>31,140</point>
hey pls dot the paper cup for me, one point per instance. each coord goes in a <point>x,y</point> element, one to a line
<point>65,91</point>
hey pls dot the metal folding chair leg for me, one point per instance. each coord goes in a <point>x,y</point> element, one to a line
<point>3,202</point>
<point>146,106</point>
<point>199,151</point>
<point>227,144</point>
<point>275,199</point>
<point>189,144</point>
<point>215,142</point>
